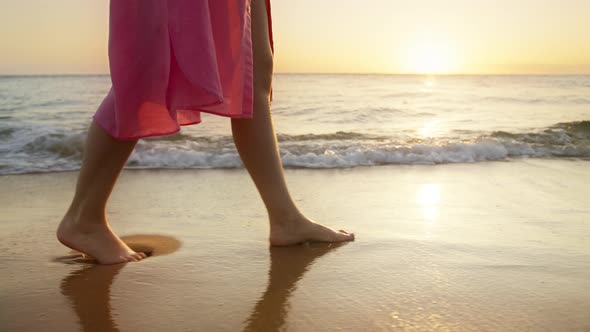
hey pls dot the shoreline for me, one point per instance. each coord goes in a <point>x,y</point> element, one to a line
<point>294,168</point>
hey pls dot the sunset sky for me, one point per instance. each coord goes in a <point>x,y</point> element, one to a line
<point>336,36</point>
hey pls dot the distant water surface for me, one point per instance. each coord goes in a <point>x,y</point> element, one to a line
<point>323,121</point>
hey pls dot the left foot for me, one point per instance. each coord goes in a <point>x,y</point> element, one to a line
<point>304,230</point>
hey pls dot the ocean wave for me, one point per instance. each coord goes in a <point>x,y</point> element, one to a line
<point>6,131</point>
<point>556,100</point>
<point>60,151</point>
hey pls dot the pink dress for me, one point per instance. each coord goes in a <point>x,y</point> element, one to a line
<point>170,60</point>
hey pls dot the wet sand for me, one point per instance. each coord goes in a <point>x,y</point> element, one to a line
<point>499,246</point>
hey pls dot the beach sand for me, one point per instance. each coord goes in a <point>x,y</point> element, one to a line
<point>496,246</point>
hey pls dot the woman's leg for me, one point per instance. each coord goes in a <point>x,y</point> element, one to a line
<point>257,144</point>
<point>84,227</point>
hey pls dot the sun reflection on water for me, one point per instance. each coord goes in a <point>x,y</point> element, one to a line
<point>428,129</point>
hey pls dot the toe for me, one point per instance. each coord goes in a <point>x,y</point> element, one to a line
<point>344,236</point>
<point>350,235</point>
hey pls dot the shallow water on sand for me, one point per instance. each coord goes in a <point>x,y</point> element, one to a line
<point>465,247</point>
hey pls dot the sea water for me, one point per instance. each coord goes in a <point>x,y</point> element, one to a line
<point>322,121</point>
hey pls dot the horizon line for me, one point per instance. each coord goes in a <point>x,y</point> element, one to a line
<point>335,73</point>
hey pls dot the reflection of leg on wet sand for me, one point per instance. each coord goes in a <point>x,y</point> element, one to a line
<point>88,290</point>
<point>287,266</point>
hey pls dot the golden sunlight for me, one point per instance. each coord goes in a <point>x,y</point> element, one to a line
<point>428,198</point>
<point>429,57</point>
<point>428,129</point>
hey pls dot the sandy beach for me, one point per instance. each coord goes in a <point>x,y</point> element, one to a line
<point>495,246</point>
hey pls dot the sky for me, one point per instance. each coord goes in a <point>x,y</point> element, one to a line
<point>336,36</point>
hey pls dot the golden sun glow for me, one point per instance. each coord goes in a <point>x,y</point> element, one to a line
<point>428,129</point>
<point>428,198</point>
<point>386,37</point>
<point>430,56</point>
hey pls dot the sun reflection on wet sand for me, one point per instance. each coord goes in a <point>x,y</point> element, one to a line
<point>428,199</point>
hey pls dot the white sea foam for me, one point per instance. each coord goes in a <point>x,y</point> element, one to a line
<point>53,151</point>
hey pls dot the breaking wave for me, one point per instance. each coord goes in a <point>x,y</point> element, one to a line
<point>32,151</point>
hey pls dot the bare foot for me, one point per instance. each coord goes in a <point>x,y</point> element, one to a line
<point>96,240</point>
<point>301,230</point>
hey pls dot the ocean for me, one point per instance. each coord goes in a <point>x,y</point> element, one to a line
<point>322,121</point>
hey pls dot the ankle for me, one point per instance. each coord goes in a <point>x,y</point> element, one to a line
<point>84,214</point>
<point>286,218</point>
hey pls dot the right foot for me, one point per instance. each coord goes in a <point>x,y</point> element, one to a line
<point>301,230</point>
<point>96,240</point>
